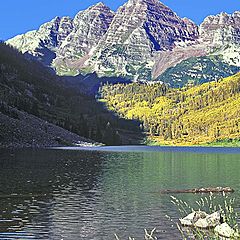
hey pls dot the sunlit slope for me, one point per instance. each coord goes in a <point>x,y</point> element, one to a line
<point>205,113</point>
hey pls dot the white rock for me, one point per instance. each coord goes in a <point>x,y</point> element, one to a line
<point>224,230</point>
<point>193,217</point>
<point>201,219</point>
<point>210,221</point>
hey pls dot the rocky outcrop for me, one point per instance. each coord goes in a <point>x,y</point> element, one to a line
<point>201,219</point>
<point>222,29</point>
<point>225,231</point>
<point>204,221</point>
<point>222,35</point>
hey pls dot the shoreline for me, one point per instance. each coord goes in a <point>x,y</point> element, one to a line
<point>47,146</point>
<point>93,145</point>
<point>234,143</point>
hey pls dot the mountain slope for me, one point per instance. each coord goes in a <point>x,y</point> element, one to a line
<point>20,129</point>
<point>89,27</point>
<point>197,115</point>
<point>197,70</point>
<point>28,88</point>
<point>43,43</point>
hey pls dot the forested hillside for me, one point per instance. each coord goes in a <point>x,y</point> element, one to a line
<point>197,70</point>
<point>28,86</point>
<point>201,114</point>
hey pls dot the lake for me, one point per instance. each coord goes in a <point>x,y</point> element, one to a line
<point>92,193</point>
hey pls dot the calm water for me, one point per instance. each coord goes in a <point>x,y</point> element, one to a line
<point>91,194</point>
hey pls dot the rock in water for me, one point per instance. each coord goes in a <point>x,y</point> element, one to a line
<point>201,220</point>
<point>190,219</point>
<point>210,221</point>
<point>224,230</point>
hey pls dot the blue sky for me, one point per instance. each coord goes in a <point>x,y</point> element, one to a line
<point>19,16</point>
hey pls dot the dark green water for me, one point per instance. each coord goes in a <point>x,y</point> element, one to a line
<point>78,194</point>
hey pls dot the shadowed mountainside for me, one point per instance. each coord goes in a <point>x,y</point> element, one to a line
<point>34,89</point>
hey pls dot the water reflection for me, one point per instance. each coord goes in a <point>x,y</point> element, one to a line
<point>60,194</point>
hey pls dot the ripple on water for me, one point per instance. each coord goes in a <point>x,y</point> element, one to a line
<point>60,194</point>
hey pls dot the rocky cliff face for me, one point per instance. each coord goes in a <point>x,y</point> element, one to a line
<point>222,34</point>
<point>89,27</point>
<point>139,29</point>
<point>221,29</point>
<point>140,41</point>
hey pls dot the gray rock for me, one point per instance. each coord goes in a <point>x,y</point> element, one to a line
<point>221,29</point>
<point>89,27</point>
<point>221,33</point>
<point>139,30</point>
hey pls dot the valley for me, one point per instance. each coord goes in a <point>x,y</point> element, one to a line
<point>116,77</point>
<point>119,120</point>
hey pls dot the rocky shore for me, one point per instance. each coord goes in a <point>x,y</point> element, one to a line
<point>27,131</point>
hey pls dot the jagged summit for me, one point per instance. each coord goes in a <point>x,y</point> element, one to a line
<point>221,29</point>
<point>139,29</point>
<point>145,1</point>
<point>99,6</point>
<point>89,27</point>
<point>140,41</point>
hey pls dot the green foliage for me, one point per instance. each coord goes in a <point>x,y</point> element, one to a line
<point>197,70</point>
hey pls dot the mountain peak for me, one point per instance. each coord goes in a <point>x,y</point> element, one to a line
<point>130,42</point>
<point>145,1</point>
<point>148,3</point>
<point>222,30</point>
<point>139,30</point>
<point>100,6</point>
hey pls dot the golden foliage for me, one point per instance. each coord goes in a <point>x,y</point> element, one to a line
<point>200,114</point>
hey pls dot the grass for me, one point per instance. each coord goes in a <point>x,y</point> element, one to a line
<point>156,141</point>
<point>225,143</point>
<point>210,204</point>
<point>147,235</point>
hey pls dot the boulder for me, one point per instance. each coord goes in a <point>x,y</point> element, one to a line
<point>224,230</point>
<point>193,217</point>
<point>210,221</point>
<point>201,220</point>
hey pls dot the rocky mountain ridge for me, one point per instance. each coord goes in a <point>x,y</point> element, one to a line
<point>140,41</point>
